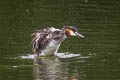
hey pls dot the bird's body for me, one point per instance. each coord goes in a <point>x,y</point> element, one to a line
<point>47,41</point>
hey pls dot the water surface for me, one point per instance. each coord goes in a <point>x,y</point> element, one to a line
<point>98,20</point>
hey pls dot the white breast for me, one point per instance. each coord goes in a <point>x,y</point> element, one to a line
<point>52,48</point>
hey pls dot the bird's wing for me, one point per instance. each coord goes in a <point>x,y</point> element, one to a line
<point>41,38</point>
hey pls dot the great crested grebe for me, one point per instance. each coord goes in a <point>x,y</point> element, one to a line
<point>48,40</point>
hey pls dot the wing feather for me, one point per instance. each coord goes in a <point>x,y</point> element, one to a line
<point>41,38</point>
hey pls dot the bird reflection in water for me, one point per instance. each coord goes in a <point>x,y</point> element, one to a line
<point>52,69</point>
<point>46,69</point>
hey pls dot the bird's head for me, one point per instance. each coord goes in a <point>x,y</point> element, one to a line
<point>72,31</point>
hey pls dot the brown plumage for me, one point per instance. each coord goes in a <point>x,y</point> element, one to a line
<point>49,39</point>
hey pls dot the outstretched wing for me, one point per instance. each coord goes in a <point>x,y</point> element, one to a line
<point>41,38</point>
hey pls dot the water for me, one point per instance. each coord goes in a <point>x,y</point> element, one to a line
<point>99,53</point>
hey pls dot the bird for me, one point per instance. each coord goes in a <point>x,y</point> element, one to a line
<point>48,40</point>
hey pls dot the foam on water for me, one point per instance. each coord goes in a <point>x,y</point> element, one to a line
<point>29,56</point>
<point>66,55</point>
<point>60,55</point>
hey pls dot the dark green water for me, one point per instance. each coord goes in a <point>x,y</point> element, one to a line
<point>98,20</point>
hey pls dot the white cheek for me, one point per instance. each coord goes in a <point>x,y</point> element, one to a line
<point>72,33</point>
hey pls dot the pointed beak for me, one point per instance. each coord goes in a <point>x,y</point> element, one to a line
<point>79,35</point>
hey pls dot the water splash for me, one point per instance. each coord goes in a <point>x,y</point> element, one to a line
<point>59,55</point>
<point>66,55</point>
<point>29,56</point>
